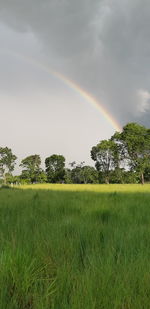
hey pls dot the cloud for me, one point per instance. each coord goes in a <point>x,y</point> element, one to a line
<point>144,97</point>
<point>103,45</point>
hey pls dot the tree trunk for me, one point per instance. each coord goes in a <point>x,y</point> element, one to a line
<point>142,179</point>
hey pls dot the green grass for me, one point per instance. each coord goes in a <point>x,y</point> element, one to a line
<point>75,247</point>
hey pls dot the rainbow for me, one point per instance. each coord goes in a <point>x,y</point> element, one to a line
<point>72,85</point>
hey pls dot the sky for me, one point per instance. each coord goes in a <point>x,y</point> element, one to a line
<point>101,45</point>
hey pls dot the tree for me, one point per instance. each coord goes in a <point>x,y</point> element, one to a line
<point>10,179</point>
<point>67,176</point>
<point>117,175</point>
<point>55,168</point>
<point>89,174</point>
<point>84,174</point>
<point>42,177</point>
<point>31,168</point>
<point>106,156</point>
<point>135,141</point>
<point>7,162</point>
<point>147,174</point>
<point>76,172</point>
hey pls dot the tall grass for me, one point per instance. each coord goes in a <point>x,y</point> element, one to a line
<point>72,249</point>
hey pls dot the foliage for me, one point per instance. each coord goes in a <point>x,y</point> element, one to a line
<point>55,168</point>
<point>31,168</point>
<point>106,156</point>
<point>67,176</point>
<point>89,174</point>
<point>147,174</point>
<point>77,175</point>
<point>7,161</point>
<point>84,174</point>
<point>117,176</point>
<point>10,179</point>
<point>124,158</point>
<point>135,142</point>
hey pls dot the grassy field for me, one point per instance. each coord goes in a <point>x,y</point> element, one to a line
<point>75,247</point>
<point>88,187</point>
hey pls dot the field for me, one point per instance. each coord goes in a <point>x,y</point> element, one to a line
<point>75,247</point>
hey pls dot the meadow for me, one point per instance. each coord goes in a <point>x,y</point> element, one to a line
<point>75,247</point>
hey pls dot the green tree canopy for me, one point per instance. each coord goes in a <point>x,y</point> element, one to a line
<point>55,168</point>
<point>7,161</point>
<point>135,143</point>
<point>31,168</point>
<point>106,156</point>
<point>84,174</point>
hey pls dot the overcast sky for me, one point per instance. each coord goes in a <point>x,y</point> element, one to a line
<point>102,45</point>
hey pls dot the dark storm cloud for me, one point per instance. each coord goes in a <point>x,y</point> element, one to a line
<point>103,45</point>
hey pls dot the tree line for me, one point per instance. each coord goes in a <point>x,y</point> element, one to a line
<point>124,158</point>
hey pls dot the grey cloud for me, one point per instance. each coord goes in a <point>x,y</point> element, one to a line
<point>59,24</point>
<point>103,45</point>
